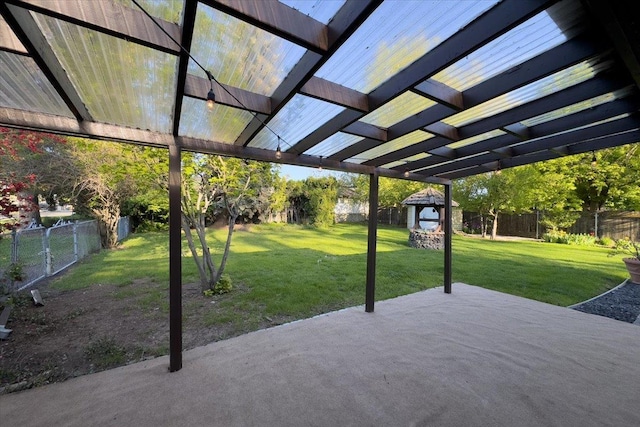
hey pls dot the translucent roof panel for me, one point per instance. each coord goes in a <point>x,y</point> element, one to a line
<point>546,86</point>
<point>24,87</point>
<point>477,138</point>
<point>398,143</point>
<point>407,160</point>
<point>168,10</point>
<point>320,10</point>
<point>301,116</point>
<point>239,54</point>
<point>544,31</point>
<point>333,144</point>
<point>396,34</point>
<point>222,124</point>
<point>398,109</point>
<point>119,82</point>
<point>581,106</point>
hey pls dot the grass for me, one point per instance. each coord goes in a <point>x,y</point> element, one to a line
<point>295,272</point>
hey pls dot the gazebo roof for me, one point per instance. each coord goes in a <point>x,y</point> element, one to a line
<point>427,197</point>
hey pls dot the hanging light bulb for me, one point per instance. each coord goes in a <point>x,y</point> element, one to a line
<point>211,96</point>
<point>406,173</point>
<point>498,170</point>
<point>594,160</point>
<point>278,152</point>
<point>320,166</point>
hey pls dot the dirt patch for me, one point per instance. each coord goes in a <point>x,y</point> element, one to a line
<point>83,331</point>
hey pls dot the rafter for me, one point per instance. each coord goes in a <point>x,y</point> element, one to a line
<point>198,87</point>
<point>327,91</point>
<point>279,19</point>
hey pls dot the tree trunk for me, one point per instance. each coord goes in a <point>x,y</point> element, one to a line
<point>494,228</point>
<point>223,263</point>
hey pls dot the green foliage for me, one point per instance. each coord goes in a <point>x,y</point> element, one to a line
<point>15,271</point>
<point>313,200</point>
<point>223,286</point>
<point>606,241</point>
<point>626,247</point>
<point>581,239</point>
<point>105,352</point>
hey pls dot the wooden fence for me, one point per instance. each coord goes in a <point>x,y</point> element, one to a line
<point>613,224</point>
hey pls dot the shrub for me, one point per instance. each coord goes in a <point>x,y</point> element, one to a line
<point>606,241</point>
<point>223,286</point>
<point>581,239</point>
<point>556,237</point>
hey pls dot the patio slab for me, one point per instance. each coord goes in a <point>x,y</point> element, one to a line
<point>474,358</point>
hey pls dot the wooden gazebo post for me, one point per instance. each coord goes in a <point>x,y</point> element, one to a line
<point>448,228</point>
<point>175,260</point>
<point>371,246</point>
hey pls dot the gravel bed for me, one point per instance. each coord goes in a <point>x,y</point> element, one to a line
<point>621,303</point>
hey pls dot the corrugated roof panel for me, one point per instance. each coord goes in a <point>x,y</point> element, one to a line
<point>119,82</point>
<point>544,31</point>
<point>398,109</point>
<point>222,124</point>
<point>398,143</point>
<point>239,54</point>
<point>581,106</point>
<point>407,160</point>
<point>320,10</point>
<point>299,117</point>
<point>477,138</point>
<point>396,34</point>
<point>543,87</point>
<point>333,144</point>
<point>169,10</point>
<point>24,87</point>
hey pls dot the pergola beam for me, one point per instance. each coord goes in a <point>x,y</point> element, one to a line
<point>440,93</point>
<point>366,130</point>
<point>279,19</point>
<point>198,87</point>
<point>327,91</point>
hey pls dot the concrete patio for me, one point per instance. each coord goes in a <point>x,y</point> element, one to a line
<point>473,358</point>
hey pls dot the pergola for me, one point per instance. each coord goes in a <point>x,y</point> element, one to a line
<point>422,90</point>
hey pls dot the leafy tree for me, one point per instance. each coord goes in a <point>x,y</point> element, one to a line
<point>228,186</point>
<point>29,165</point>
<point>104,177</point>
<point>510,191</point>
<point>391,191</point>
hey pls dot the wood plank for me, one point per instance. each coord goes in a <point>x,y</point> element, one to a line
<point>198,87</point>
<point>279,19</point>
<point>517,129</point>
<point>366,130</point>
<point>112,18</point>
<point>325,90</point>
<point>67,126</point>
<point>441,93</point>
<point>444,130</point>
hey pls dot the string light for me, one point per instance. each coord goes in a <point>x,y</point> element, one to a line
<point>211,96</point>
<point>278,151</point>
<point>406,173</point>
<point>320,166</point>
<point>594,160</point>
<point>498,170</point>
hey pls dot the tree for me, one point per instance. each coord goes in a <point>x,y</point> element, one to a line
<point>223,185</point>
<point>104,177</point>
<point>28,166</point>
<point>510,191</point>
<point>391,191</point>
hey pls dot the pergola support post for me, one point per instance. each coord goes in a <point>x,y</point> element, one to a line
<point>371,246</point>
<point>175,259</point>
<point>448,231</point>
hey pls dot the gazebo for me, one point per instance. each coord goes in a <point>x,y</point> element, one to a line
<point>425,218</point>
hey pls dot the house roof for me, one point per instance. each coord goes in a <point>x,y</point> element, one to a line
<point>427,197</point>
<point>440,90</point>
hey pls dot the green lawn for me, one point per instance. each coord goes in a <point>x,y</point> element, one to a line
<point>298,272</point>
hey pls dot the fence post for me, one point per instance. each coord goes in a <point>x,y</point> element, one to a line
<point>47,252</point>
<point>595,230</point>
<point>14,246</point>
<point>75,241</point>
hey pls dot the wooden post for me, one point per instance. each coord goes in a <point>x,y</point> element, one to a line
<point>448,230</point>
<point>371,246</point>
<point>175,260</point>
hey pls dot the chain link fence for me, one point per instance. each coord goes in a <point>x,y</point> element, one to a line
<point>29,255</point>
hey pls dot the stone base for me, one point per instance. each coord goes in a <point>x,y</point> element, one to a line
<point>426,240</point>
